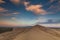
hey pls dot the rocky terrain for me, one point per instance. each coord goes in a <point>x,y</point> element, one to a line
<point>35,33</point>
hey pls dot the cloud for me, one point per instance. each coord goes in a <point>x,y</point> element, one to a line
<point>54,9</point>
<point>41,19</point>
<point>0,14</point>
<point>15,13</point>
<point>9,14</point>
<point>59,2</point>
<point>44,20</point>
<point>15,1</point>
<point>47,22</point>
<point>26,4</point>
<point>1,1</point>
<point>52,25</point>
<point>5,14</point>
<point>37,9</point>
<point>54,6</point>
<point>3,9</point>
<point>8,24</point>
<point>52,1</point>
<point>16,23</point>
<point>13,18</point>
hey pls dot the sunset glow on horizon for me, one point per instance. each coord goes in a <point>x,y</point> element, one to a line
<point>29,12</point>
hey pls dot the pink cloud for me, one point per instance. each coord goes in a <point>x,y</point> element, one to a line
<point>1,1</point>
<point>15,23</point>
<point>8,24</point>
<point>26,4</point>
<point>15,1</point>
<point>3,9</point>
<point>5,12</point>
<point>37,9</point>
<point>5,15</point>
<point>8,14</point>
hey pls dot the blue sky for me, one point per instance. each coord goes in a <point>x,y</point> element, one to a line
<point>29,12</point>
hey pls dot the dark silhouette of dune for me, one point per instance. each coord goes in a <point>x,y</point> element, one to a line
<point>5,29</point>
<point>35,33</point>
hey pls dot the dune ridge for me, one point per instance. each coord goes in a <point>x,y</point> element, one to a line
<point>35,33</point>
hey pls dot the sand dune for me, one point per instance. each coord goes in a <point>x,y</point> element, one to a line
<point>35,33</point>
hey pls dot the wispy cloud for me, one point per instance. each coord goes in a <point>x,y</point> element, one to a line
<point>54,7</point>
<point>43,20</point>
<point>47,22</point>
<point>1,1</point>
<point>15,13</point>
<point>8,24</point>
<point>52,1</point>
<point>52,25</point>
<point>26,4</point>
<point>5,12</point>
<point>3,9</point>
<point>15,1</point>
<point>13,18</point>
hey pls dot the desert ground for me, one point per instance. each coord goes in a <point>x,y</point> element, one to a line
<point>35,33</point>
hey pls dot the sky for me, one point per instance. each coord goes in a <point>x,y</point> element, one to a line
<point>30,12</point>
